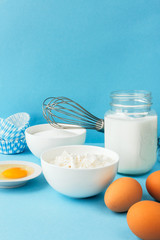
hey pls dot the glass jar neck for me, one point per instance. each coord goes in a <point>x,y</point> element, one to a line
<point>136,103</point>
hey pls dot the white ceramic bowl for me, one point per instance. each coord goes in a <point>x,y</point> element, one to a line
<point>42,137</point>
<point>79,183</point>
<point>13,183</point>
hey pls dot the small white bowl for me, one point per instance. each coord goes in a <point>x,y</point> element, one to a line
<point>14,183</point>
<point>43,137</point>
<point>79,183</point>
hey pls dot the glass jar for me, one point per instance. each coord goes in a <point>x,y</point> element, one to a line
<point>131,131</point>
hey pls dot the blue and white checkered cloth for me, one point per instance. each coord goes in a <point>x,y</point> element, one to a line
<point>12,133</point>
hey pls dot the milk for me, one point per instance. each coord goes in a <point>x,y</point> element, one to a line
<point>134,139</point>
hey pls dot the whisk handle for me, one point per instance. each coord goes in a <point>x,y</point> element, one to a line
<point>101,130</point>
<point>100,125</point>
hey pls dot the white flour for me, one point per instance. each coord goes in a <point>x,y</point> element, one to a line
<point>86,160</point>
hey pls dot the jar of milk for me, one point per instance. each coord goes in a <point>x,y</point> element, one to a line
<point>131,131</point>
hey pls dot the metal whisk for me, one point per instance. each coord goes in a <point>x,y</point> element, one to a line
<point>59,110</point>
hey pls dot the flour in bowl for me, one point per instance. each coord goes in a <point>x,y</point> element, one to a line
<point>86,160</point>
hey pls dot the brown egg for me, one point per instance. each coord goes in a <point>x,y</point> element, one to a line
<point>153,185</point>
<point>143,219</point>
<point>122,194</point>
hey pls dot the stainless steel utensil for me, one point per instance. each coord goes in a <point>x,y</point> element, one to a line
<point>65,110</point>
<point>69,112</point>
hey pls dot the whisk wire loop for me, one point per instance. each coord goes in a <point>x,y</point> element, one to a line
<point>71,113</point>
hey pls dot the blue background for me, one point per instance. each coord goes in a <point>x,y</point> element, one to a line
<point>77,48</point>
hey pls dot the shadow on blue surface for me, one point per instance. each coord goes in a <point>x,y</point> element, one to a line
<point>37,184</point>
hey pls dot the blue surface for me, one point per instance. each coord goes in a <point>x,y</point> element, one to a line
<point>81,49</point>
<point>36,211</point>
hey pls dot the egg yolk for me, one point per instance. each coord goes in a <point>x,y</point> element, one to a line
<point>14,173</point>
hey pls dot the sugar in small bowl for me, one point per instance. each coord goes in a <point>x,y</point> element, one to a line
<point>79,171</point>
<point>43,137</point>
